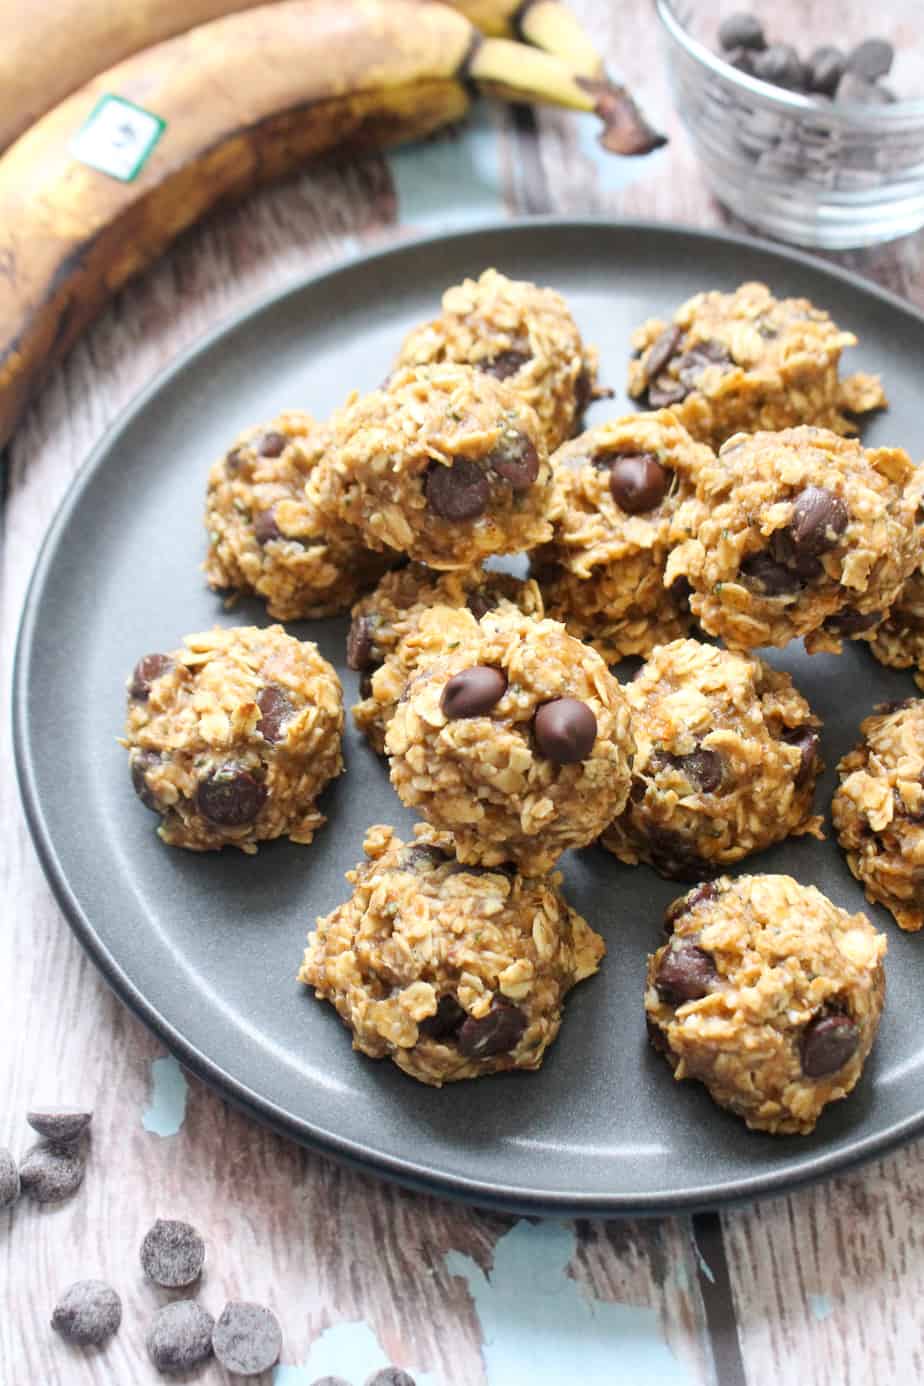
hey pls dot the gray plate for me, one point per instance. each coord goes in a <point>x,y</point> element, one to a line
<point>205,948</point>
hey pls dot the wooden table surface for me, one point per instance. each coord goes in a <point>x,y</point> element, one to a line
<point>822,1287</point>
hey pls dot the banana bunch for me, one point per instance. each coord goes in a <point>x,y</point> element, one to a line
<point>204,114</point>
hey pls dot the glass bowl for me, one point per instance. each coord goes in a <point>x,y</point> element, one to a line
<point>805,169</point>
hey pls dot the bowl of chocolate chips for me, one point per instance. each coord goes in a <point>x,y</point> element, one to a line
<point>808,119</point>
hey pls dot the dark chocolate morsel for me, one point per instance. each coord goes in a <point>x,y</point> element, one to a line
<point>703,768</point>
<point>480,603</point>
<point>638,482</point>
<point>707,890</point>
<point>742,30</point>
<point>495,1033</point>
<point>87,1313</point>
<point>828,1042</point>
<point>422,856</point>
<point>272,444</point>
<point>665,391</point>
<point>516,461</point>
<point>148,668</point>
<point>656,1037</point>
<point>672,856</point>
<point>851,622</point>
<point>172,1253</point>
<point>806,739</point>
<point>663,350</point>
<point>139,763</point>
<point>819,518</point>
<point>180,1336</point>
<point>275,711</point>
<point>565,730</point>
<point>505,364</point>
<point>775,579</point>
<point>473,692</point>
<point>871,59</point>
<point>359,649</point>
<point>457,492</point>
<point>247,1339</point>
<point>685,973</point>
<point>825,69</point>
<point>230,796</point>
<point>446,1021</point>
<point>265,527</point>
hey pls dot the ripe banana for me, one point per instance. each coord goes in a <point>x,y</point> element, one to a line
<point>243,100</point>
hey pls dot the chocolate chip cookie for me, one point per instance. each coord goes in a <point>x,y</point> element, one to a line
<point>518,333</point>
<point>744,361</point>
<point>603,573</point>
<point>727,756</point>
<point>268,537</point>
<point>769,995</point>
<point>451,971</point>
<point>878,810</point>
<point>796,533</point>
<point>232,737</point>
<point>518,743</point>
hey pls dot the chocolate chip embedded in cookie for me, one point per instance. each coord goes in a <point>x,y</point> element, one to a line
<point>727,757</point>
<point>449,970</point>
<point>769,995</point>
<point>517,742</point>
<point>237,735</point>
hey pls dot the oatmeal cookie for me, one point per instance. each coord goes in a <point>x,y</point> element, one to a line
<point>726,762</point>
<point>232,738</point>
<point>446,465</point>
<point>878,810</point>
<point>518,333</point>
<point>899,641</point>
<point>451,971</point>
<point>740,362</point>
<point>603,572</point>
<point>518,743</point>
<point>769,995</point>
<point>798,533</point>
<point>267,537</point>
<point>392,630</point>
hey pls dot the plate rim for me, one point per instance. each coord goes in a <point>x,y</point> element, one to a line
<point>404,1171</point>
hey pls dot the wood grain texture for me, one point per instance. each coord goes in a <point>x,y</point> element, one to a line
<point>319,1243</point>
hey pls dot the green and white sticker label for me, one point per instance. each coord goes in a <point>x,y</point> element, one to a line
<point>118,138</point>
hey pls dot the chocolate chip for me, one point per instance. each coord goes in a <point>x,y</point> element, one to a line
<point>825,69</point>
<point>449,1016</point>
<point>851,622</point>
<point>265,528</point>
<point>828,1042</point>
<point>871,59</point>
<point>172,1253</point>
<point>360,644</point>
<point>458,492</point>
<point>565,730</point>
<point>88,1312</point>
<point>707,890</point>
<point>272,444</point>
<point>365,685</point>
<point>9,1179</point>
<point>680,592</point>
<point>672,856</point>
<point>664,348</point>
<point>856,89</point>
<point>764,572</point>
<point>180,1336</point>
<point>740,58</point>
<point>699,358</point>
<point>781,65</point>
<point>656,1037</point>
<point>139,763</point>
<point>389,1376</point>
<point>638,787</point>
<point>247,1338</point>
<point>421,857</point>
<point>59,1124</point>
<point>516,461</point>
<point>665,391</point>
<point>480,603</point>
<point>275,711</point>
<point>473,692</point>
<point>819,518</point>
<point>806,739</point>
<point>50,1173</point>
<point>495,1033</point>
<point>505,364</point>
<point>704,769</point>
<point>148,668</point>
<point>638,482</point>
<point>230,796</point>
<point>742,30</point>
<point>685,973</point>
<point>234,459</point>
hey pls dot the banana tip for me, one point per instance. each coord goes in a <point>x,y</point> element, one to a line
<point>625,129</point>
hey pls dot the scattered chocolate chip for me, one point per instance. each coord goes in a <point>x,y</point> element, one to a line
<point>389,1376</point>
<point>742,30</point>
<point>265,527</point>
<point>781,65</point>
<point>806,739</point>
<point>825,69</point>
<point>819,518</point>
<point>88,1312</point>
<point>172,1253</point>
<point>681,591</point>
<point>495,1033</point>
<point>421,857</point>
<point>871,59</point>
<point>9,1179</point>
<point>699,358</point>
<point>638,787</point>
<point>656,1037</point>
<point>59,1124</point>
<point>741,58</point>
<point>365,685</point>
<point>898,705</point>
<point>272,444</point>
<point>505,364</point>
<point>672,856</point>
<point>360,643</point>
<point>447,1019</point>
<point>638,482</point>
<point>583,395</point>
<point>764,572</point>
<point>516,461</point>
<point>50,1173</point>
<point>565,730</point>
<point>663,349</point>
<point>180,1336</point>
<point>230,796</point>
<point>275,711</point>
<point>234,459</point>
<point>704,769</point>
<point>858,90</point>
<point>685,973</point>
<point>851,622</point>
<point>480,603</point>
<point>707,890</point>
<point>828,1042</point>
<point>665,391</point>
<point>458,492</point>
<point>139,763</point>
<point>247,1338</point>
<point>148,668</point>
<point>473,692</point>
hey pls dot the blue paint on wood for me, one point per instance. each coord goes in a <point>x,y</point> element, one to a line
<point>539,1328</point>
<point>452,181</point>
<point>348,1350</point>
<point>820,1306</point>
<point>166,1111</point>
